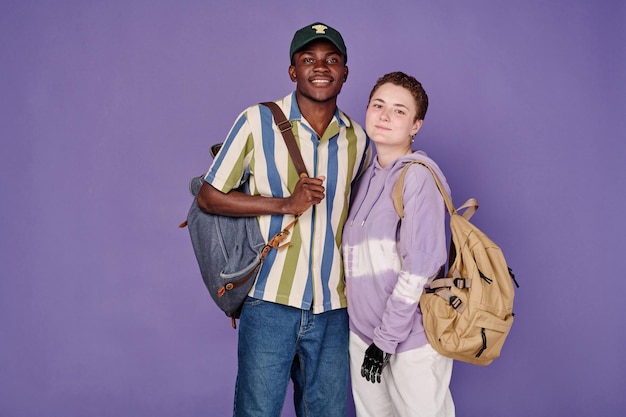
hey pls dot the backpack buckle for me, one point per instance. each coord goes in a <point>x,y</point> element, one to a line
<point>455,302</point>
<point>460,283</point>
<point>284,126</point>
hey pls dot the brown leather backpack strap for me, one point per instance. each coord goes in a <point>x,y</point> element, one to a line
<point>284,125</point>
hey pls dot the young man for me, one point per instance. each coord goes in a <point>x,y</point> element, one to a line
<point>294,323</point>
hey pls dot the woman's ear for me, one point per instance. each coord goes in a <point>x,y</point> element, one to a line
<point>416,127</point>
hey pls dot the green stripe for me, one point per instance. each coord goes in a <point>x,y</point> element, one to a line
<point>288,275</point>
<point>235,175</point>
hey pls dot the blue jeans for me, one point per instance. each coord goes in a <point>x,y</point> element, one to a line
<point>278,342</point>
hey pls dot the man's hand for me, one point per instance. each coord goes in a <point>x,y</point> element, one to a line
<point>308,191</point>
<point>373,363</point>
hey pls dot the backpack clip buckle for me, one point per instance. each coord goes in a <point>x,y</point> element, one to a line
<point>460,283</point>
<point>284,126</point>
<point>455,302</point>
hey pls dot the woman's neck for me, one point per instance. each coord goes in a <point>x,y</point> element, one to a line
<point>387,156</point>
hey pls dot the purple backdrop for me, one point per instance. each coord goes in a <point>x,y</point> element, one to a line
<point>108,108</point>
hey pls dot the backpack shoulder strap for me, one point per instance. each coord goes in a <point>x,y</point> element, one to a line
<point>284,125</point>
<point>397,191</point>
<point>468,208</point>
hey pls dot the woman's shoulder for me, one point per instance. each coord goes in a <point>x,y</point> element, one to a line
<point>419,168</point>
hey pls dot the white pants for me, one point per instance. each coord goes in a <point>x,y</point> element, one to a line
<point>414,384</point>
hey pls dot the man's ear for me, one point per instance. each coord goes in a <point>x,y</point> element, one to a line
<point>345,75</point>
<point>292,73</point>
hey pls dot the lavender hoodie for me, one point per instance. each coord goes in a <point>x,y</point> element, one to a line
<point>387,263</point>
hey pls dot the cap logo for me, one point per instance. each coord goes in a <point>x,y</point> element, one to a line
<point>320,28</point>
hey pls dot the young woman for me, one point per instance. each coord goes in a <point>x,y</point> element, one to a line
<point>394,371</point>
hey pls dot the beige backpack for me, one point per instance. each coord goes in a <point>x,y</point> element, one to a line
<point>468,313</point>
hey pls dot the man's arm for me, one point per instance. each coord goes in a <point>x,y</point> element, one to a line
<point>308,191</point>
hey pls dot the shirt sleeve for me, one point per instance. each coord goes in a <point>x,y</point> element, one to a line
<point>422,250</point>
<point>422,237</point>
<point>231,165</point>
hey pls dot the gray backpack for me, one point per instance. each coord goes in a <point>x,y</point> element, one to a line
<point>231,250</point>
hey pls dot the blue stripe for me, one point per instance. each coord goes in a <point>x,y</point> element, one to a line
<point>268,140</point>
<point>331,191</point>
<point>225,146</point>
<point>294,111</point>
<point>269,147</point>
<point>307,296</point>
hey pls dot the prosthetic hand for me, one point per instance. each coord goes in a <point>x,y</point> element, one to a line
<point>373,363</point>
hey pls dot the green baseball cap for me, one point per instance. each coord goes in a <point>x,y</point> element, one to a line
<point>316,31</point>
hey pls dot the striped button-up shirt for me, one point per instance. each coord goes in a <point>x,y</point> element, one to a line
<point>308,274</point>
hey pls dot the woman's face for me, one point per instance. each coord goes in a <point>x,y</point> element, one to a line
<point>390,116</point>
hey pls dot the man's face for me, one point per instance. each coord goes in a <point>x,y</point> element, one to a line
<point>319,71</point>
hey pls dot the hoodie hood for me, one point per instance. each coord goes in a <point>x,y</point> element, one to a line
<point>420,156</point>
<point>391,173</point>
